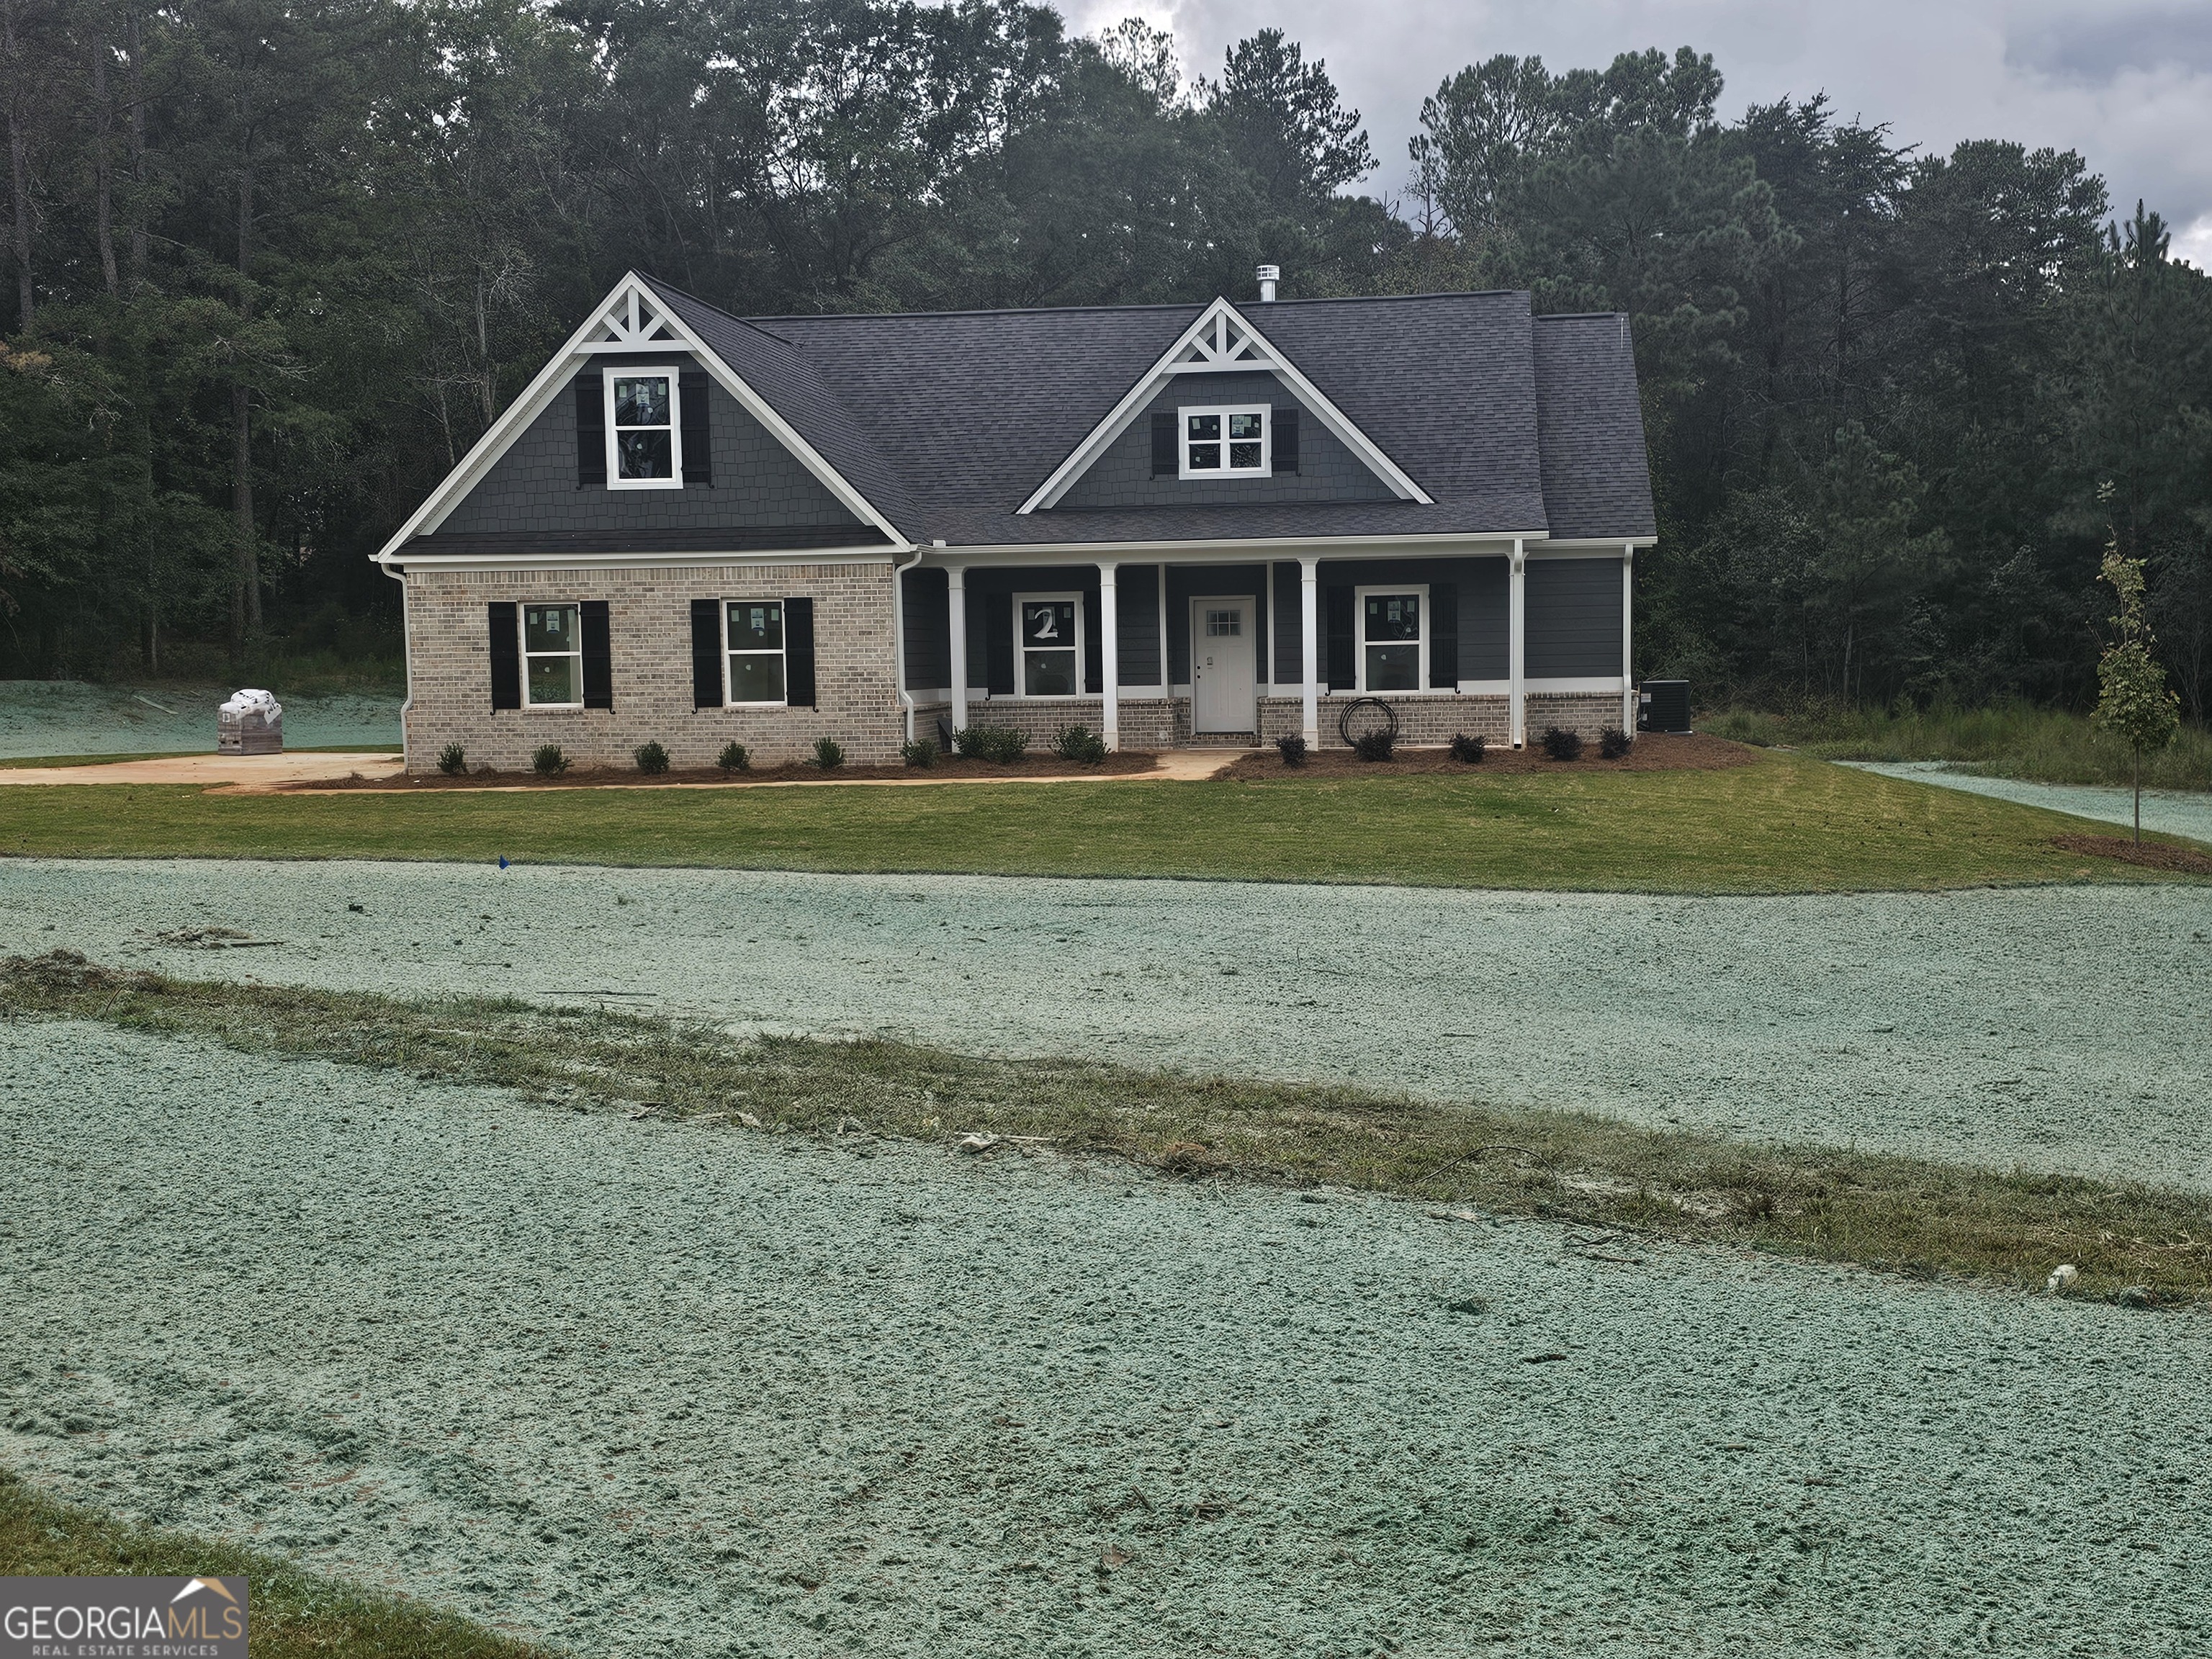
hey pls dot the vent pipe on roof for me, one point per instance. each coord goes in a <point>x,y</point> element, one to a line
<point>1269,276</point>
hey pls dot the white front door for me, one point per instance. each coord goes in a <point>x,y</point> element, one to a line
<point>1224,692</point>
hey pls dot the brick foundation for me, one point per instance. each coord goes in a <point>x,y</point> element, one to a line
<point>649,617</point>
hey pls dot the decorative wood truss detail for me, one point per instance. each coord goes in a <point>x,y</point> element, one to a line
<point>632,321</point>
<point>1223,340</point>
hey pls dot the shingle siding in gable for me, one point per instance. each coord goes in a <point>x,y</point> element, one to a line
<point>1574,619</point>
<point>1122,475</point>
<point>532,488</point>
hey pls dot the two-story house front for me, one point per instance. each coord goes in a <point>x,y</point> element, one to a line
<point>1167,523</point>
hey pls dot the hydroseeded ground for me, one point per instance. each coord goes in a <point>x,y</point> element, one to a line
<point>2056,1029</point>
<point>2165,812</point>
<point>641,1388</point>
<point>69,717</point>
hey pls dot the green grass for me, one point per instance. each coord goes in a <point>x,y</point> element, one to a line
<point>1887,1212</point>
<point>1784,824</point>
<point>2005,740</point>
<point>294,1614</point>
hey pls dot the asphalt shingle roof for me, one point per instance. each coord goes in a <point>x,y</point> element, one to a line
<point>947,422</point>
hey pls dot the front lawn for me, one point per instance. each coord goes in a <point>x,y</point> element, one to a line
<point>1784,824</point>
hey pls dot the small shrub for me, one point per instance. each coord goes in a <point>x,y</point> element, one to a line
<point>1613,743</point>
<point>1293,748</point>
<point>549,762</point>
<point>1079,743</point>
<point>921,753</point>
<point>1375,745</point>
<point>1562,745</point>
<point>828,753</point>
<point>734,758</point>
<point>1468,752</point>
<point>998,743</point>
<point>652,759</point>
<point>452,760</point>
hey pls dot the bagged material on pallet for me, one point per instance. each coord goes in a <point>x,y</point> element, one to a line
<point>251,723</point>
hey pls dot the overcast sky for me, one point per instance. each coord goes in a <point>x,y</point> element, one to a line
<point>2126,83</point>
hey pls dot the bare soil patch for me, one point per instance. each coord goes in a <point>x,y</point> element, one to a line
<point>1123,764</point>
<point>2151,854</point>
<point>1654,752</point>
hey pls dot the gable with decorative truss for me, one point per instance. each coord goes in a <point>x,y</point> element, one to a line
<point>1223,340</point>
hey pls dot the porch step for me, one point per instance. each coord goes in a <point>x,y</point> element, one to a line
<point>1225,740</point>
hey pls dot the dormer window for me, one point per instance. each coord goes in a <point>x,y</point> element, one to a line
<point>1226,443</point>
<point>645,444</point>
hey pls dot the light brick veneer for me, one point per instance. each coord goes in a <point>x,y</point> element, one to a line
<point>1584,712</point>
<point>649,628</point>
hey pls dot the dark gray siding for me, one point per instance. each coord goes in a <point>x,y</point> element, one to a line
<point>532,488</point>
<point>1574,620</point>
<point>1485,619</point>
<point>928,630</point>
<point>1139,598</point>
<point>1289,628</point>
<point>1028,578</point>
<point>1122,476</point>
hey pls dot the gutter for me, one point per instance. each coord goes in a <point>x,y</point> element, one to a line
<point>398,573</point>
<point>898,636</point>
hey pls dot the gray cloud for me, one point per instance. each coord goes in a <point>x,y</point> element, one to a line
<point>2094,50</point>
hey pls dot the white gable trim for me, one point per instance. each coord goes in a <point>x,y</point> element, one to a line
<point>1223,340</point>
<point>631,319</point>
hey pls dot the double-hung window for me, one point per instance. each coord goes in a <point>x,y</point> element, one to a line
<point>645,440</point>
<point>1393,639</point>
<point>1049,644</point>
<point>753,643</point>
<point>1224,443</point>
<point>552,656</point>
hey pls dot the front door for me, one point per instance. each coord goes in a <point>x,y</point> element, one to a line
<point>1224,692</point>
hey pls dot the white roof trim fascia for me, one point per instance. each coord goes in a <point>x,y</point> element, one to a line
<point>1586,546</point>
<point>1213,321</point>
<point>876,554</point>
<point>620,310</point>
<point>1209,551</point>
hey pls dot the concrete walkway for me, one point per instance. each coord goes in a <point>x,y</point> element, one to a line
<point>264,771</point>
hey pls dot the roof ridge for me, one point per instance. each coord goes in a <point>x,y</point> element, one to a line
<point>1245,306</point>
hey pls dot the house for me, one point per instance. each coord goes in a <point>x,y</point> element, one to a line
<point>1211,522</point>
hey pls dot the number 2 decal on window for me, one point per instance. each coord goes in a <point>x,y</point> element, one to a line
<point>1044,623</point>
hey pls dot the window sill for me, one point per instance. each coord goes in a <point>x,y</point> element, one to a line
<point>553,708</point>
<point>756,705</point>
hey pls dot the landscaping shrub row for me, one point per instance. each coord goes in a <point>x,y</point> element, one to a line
<point>1557,744</point>
<point>1000,745</point>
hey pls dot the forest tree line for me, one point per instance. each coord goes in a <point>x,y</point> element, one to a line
<point>274,264</point>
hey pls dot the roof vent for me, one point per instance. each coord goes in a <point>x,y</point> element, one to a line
<point>1269,276</point>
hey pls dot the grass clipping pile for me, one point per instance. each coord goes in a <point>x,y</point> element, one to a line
<point>2137,1245</point>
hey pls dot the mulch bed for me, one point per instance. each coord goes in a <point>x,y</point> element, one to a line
<point>619,777</point>
<point>2151,854</point>
<point>1654,751</point>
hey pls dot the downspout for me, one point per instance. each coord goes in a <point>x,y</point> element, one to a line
<point>407,649</point>
<point>898,636</point>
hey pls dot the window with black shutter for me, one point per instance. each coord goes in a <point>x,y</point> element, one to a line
<point>591,433</point>
<point>1343,644</point>
<point>698,449</point>
<point>506,657</point>
<point>1164,443</point>
<point>598,656</point>
<point>798,652</point>
<point>1287,439</point>
<point>706,653</point>
<point>1443,636</point>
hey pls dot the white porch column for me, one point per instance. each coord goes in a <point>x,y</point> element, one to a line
<point>956,591</point>
<point>1109,651</point>
<point>1627,638</point>
<point>1310,630</point>
<point>1518,712</point>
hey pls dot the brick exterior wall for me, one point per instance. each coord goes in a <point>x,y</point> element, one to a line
<point>1585,712</point>
<point>649,617</point>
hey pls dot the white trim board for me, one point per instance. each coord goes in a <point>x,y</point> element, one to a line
<point>1222,340</point>
<point>642,561</point>
<point>630,318</point>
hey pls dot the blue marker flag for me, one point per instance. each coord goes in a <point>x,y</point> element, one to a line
<point>502,861</point>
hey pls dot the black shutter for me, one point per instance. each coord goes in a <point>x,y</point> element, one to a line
<point>698,440</point>
<point>706,653</point>
<point>798,652</point>
<point>591,433</point>
<point>1284,444</point>
<point>1443,636</point>
<point>1164,443</point>
<point>1343,642</point>
<point>506,657</point>
<point>999,644</point>
<point>598,657</point>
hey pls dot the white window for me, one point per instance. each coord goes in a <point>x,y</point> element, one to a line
<point>752,642</point>
<point>1393,638</point>
<point>552,657</point>
<point>1049,644</point>
<point>1228,442</point>
<point>645,442</point>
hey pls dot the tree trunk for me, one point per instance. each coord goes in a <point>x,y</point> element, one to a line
<point>137,157</point>
<point>245,587</point>
<point>2138,797</point>
<point>19,164</point>
<point>103,169</point>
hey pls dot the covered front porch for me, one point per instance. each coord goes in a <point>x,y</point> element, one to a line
<point>1497,638</point>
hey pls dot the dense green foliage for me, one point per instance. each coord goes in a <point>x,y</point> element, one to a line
<point>277,265</point>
